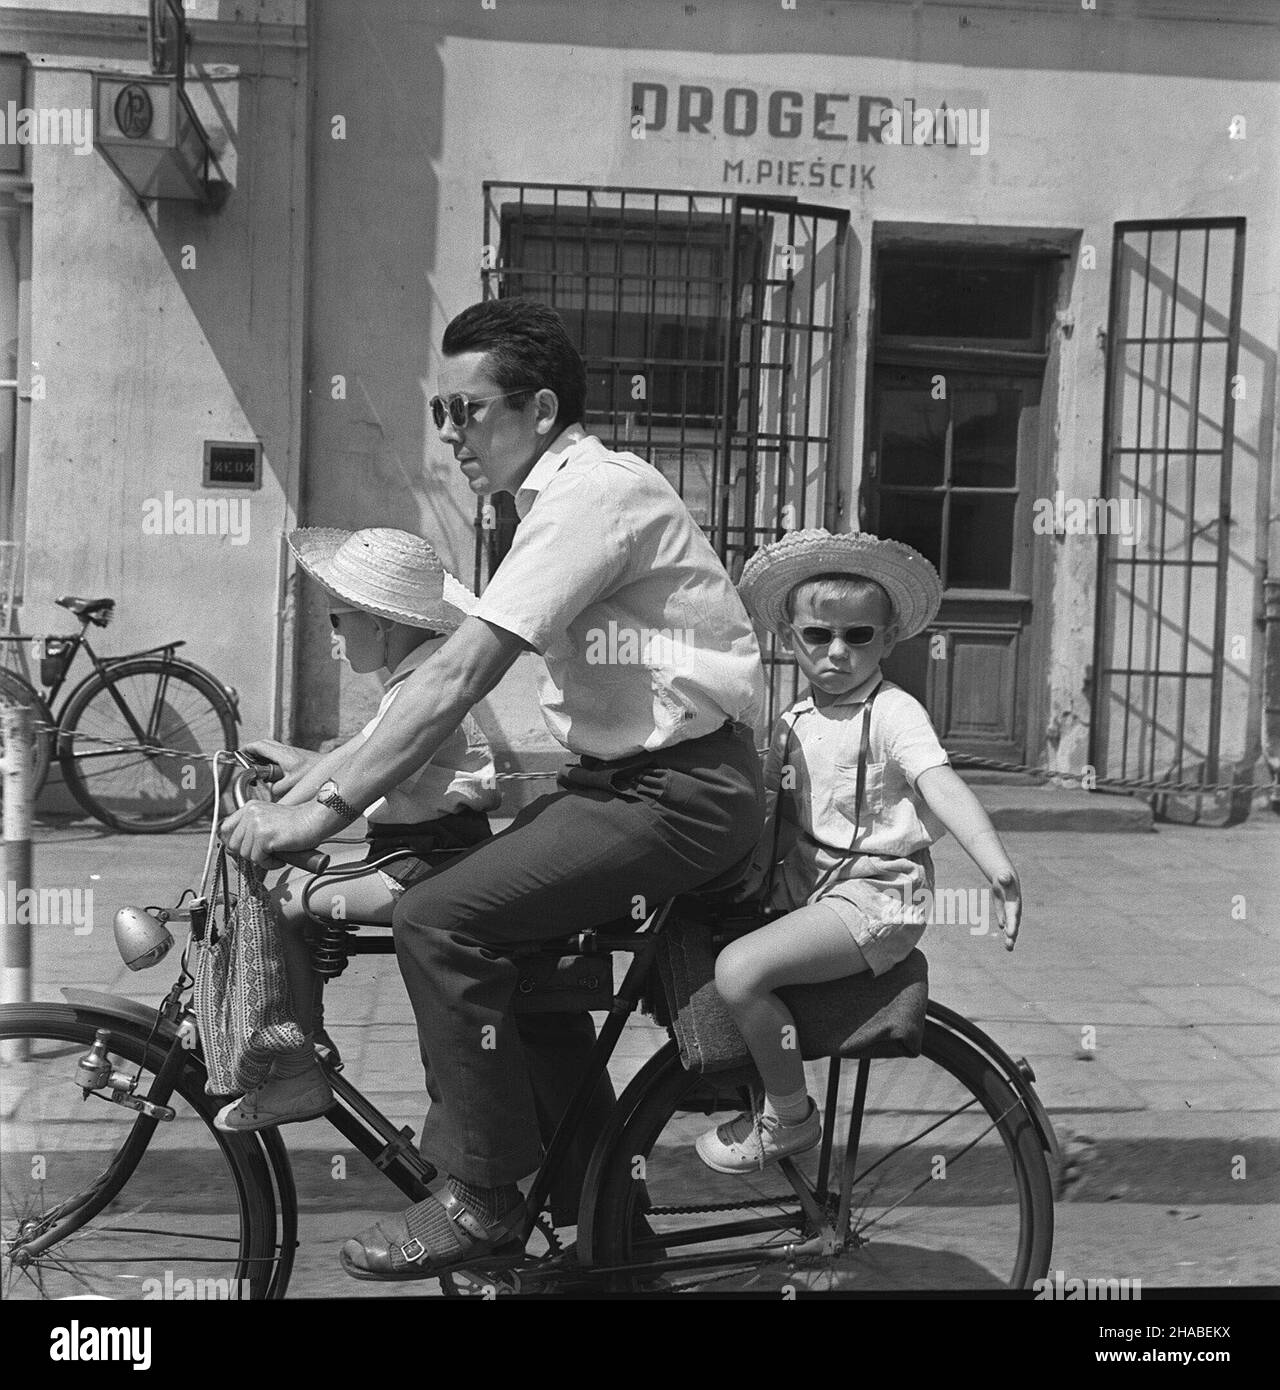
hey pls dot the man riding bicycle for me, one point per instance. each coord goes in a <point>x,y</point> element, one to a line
<point>653,679</point>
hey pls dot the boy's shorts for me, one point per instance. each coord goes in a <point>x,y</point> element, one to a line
<point>875,900</point>
<point>882,940</point>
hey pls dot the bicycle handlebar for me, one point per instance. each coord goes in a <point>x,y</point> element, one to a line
<point>310,861</point>
<point>253,773</point>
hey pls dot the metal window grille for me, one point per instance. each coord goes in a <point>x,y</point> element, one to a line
<point>1172,347</point>
<point>712,327</point>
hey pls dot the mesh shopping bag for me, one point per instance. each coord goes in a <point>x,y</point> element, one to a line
<point>243,1003</point>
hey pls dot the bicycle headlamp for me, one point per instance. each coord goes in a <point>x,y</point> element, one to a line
<point>142,938</point>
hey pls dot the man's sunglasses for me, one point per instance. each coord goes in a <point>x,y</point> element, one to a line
<point>853,636</point>
<point>459,408</point>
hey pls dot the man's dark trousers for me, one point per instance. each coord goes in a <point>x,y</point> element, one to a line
<point>641,831</point>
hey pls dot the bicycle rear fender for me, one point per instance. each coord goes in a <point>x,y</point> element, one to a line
<point>1010,1069</point>
<point>229,692</point>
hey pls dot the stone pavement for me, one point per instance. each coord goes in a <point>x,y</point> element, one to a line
<point>1145,989</point>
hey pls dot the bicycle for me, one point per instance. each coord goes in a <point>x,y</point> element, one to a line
<point>178,1199</point>
<point>134,737</point>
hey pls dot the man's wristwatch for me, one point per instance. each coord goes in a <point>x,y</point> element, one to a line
<point>330,798</point>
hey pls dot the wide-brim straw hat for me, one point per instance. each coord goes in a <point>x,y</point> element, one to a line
<point>389,573</point>
<point>906,576</point>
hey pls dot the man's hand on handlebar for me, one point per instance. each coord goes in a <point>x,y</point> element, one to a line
<point>261,830</point>
<point>294,761</point>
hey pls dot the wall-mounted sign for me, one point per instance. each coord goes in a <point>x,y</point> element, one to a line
<point>228,464</point>
<point>134,111</point>
<point>148,133</point>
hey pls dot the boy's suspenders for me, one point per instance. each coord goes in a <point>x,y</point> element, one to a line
<point>864,750</point>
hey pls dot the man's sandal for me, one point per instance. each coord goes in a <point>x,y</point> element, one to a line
<point>401,1247</point>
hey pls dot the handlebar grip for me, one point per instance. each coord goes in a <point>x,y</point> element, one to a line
<point>310,861</point>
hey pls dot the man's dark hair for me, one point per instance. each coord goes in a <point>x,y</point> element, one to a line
<point>528,349</point>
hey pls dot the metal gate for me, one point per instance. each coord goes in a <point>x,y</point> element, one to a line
<point>712,327</point>
<point>1173,343</point>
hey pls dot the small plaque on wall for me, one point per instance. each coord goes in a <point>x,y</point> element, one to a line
<point>228,464</point>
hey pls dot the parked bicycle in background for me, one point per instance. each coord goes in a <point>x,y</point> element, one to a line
<point>134,738</point>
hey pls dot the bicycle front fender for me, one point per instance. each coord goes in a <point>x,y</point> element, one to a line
<point>119,1007</point>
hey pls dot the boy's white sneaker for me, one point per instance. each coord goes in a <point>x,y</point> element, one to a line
<point>749,1141</point>
<point>279,1100</point>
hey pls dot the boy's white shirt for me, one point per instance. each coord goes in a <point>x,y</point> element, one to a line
<point>459,773</point>
<point>822,747</point>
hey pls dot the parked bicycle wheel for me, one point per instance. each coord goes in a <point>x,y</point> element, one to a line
<point>109,726</point>
<point>950,1186</point>
<point>15,691</point>
<point>195,1217</point>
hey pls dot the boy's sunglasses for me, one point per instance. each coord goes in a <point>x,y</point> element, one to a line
<point>336,613</point>
<point>459,408</point>
<point>853,636</point>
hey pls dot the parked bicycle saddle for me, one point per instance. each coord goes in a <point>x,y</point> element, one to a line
<point>97,610</point>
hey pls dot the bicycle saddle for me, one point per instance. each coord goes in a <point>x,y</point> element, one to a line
<point>97,610</point>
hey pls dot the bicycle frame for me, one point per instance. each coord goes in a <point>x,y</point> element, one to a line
<point>101,665</point>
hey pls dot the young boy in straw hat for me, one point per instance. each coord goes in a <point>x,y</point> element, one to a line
<point>858,787</point>
<point>392,604</point>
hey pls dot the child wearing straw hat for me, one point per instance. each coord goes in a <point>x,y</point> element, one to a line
<point>858,788</point>
<point>392,604</point>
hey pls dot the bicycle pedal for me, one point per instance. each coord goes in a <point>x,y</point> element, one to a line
<point>484,1283</point>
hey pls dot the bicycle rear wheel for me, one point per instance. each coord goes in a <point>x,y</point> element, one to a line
<point>15,691</point>
<point>104,752</point>
<point>196,1217</point>
<point>950,1188</point>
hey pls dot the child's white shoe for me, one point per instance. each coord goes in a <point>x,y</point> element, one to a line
<point>749,1141</point>
<point>280,1100</point>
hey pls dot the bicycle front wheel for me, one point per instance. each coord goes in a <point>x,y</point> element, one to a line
<point>947,1183</point>
<point>15,691</point>
<point>196,1216</point>
<point>134,747</point>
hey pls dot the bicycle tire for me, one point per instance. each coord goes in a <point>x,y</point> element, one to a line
<point>14,690</point>
<point>135,791</point>
<point>993,1228</point>
<point>196,1217</point>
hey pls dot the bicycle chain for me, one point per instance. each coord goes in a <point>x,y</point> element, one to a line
<point>722,1206</point>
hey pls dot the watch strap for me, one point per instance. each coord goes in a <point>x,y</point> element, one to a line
<point>333,800</point>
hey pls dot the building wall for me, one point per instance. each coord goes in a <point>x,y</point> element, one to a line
<point>343,258</point>
<point>155,328</point>
<point>1095,117</point>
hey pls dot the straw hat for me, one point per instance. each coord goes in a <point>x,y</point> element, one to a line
<point>389,573</point>
<point>907,577</point>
